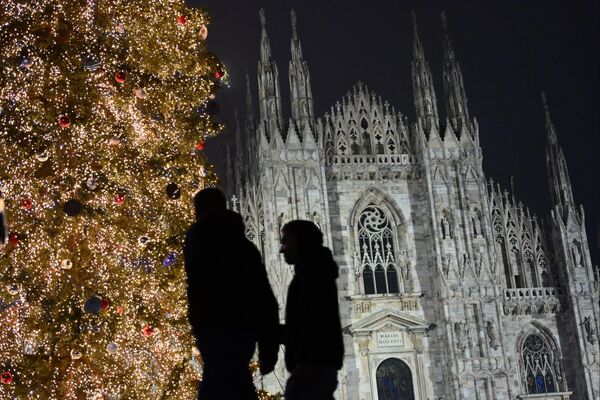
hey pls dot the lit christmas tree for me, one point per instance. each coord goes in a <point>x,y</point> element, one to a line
<point>104,109</point>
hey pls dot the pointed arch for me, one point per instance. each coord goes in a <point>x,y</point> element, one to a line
<point>252,234</point>
<point>394,380</point>
<point>281,184</point>
<point>391,146</point>
<point>377,197</point>
<point>379,231</point>
<point>497,224</point>
<point>363,123</point>
<point>540,360</point>
<point>342,146</point>
<point>312,180</point>
<point>378,137</point>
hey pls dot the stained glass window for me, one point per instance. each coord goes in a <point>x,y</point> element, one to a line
<point>376,241</point>
<point>538,364</point>
<point>394,380</point>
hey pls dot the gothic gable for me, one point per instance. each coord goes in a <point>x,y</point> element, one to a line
<point>362,124</point>
<point>389,320</point>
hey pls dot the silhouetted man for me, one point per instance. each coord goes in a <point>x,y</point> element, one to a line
<point>314,347</point>
<point>231,304</point>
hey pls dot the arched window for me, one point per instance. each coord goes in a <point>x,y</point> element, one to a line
<point>251,234</point>
<point>368,280</point>
<point>539,366</point>
<point>394,380</point>
<point>391,146</point>
<point>376,242</point>
<point>342,146</point>
<point>366,143</point>
<point>379,149</point>
<point>364,124</point>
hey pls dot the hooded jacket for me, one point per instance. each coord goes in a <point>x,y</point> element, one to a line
<point>228,288</point>
<point>312,331</point>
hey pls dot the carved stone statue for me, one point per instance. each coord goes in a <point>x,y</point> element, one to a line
<point>445,227</point>
<point>576,255</point>
<point>317,220</point>
<point>558,370</point>
<point>589,329</point>
<point>357,265</point>
<point>280,223</point>
<point>492,334</point>
<point>478,264</point>
<point>476,223</point>
<point>461,330</point>
<point>446,266</point>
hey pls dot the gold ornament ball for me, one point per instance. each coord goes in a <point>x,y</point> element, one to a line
<point>12,289</point>
<point>66,264</point>
<point>140,93</point>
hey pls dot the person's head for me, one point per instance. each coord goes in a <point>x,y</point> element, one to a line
<point>209,199</point>
<point>299,239</point>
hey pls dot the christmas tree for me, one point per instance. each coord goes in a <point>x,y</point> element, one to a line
<point>104,109</point>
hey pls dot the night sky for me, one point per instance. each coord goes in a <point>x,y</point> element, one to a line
<point>508,51</point>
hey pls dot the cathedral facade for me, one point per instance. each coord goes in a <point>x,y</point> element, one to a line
<point>449,287</point>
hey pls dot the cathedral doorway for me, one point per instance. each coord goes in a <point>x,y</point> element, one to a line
<point>394,380</point>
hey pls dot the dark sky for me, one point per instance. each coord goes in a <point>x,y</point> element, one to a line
<point>508,50</point>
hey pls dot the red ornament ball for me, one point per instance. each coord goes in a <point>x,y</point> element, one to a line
<point>6,377</point>
<point>219,73</point>
<point>182,20</point>
<point>119,198</point>
<point>201,145</point>
<point>148,330</point>
<point>120,77</point>
<point>13,238</point>
<point>64,121</point>
<point>119,310</point>
<point>104,304</point>
<point>26,204</point>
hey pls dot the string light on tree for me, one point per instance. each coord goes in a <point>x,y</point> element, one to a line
<point>95,124</point>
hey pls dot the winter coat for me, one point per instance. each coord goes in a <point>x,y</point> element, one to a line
<point>228,288</point>
<point>312,331</point>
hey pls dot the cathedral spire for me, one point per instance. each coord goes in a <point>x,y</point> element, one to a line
<point>454,88</point>
<point>425,100</point>
<point>268,85</point>
<point>249,103</point>
<point>550,131</point>
<point>300,89</point>
<point>239,153</point>
<point>558,173</point>
<point>250,130</point>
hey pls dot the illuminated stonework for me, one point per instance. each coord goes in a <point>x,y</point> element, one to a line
<point>477,276</point>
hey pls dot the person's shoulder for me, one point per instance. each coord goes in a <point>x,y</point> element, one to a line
<point>192,231</point>
<point>222,221</point>
<point>324,264</point>
<point>248,247</point>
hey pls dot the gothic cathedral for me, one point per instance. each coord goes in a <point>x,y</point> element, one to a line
<point>449,288</point>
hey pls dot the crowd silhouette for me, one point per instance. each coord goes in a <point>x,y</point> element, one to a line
<point>232,308</point>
